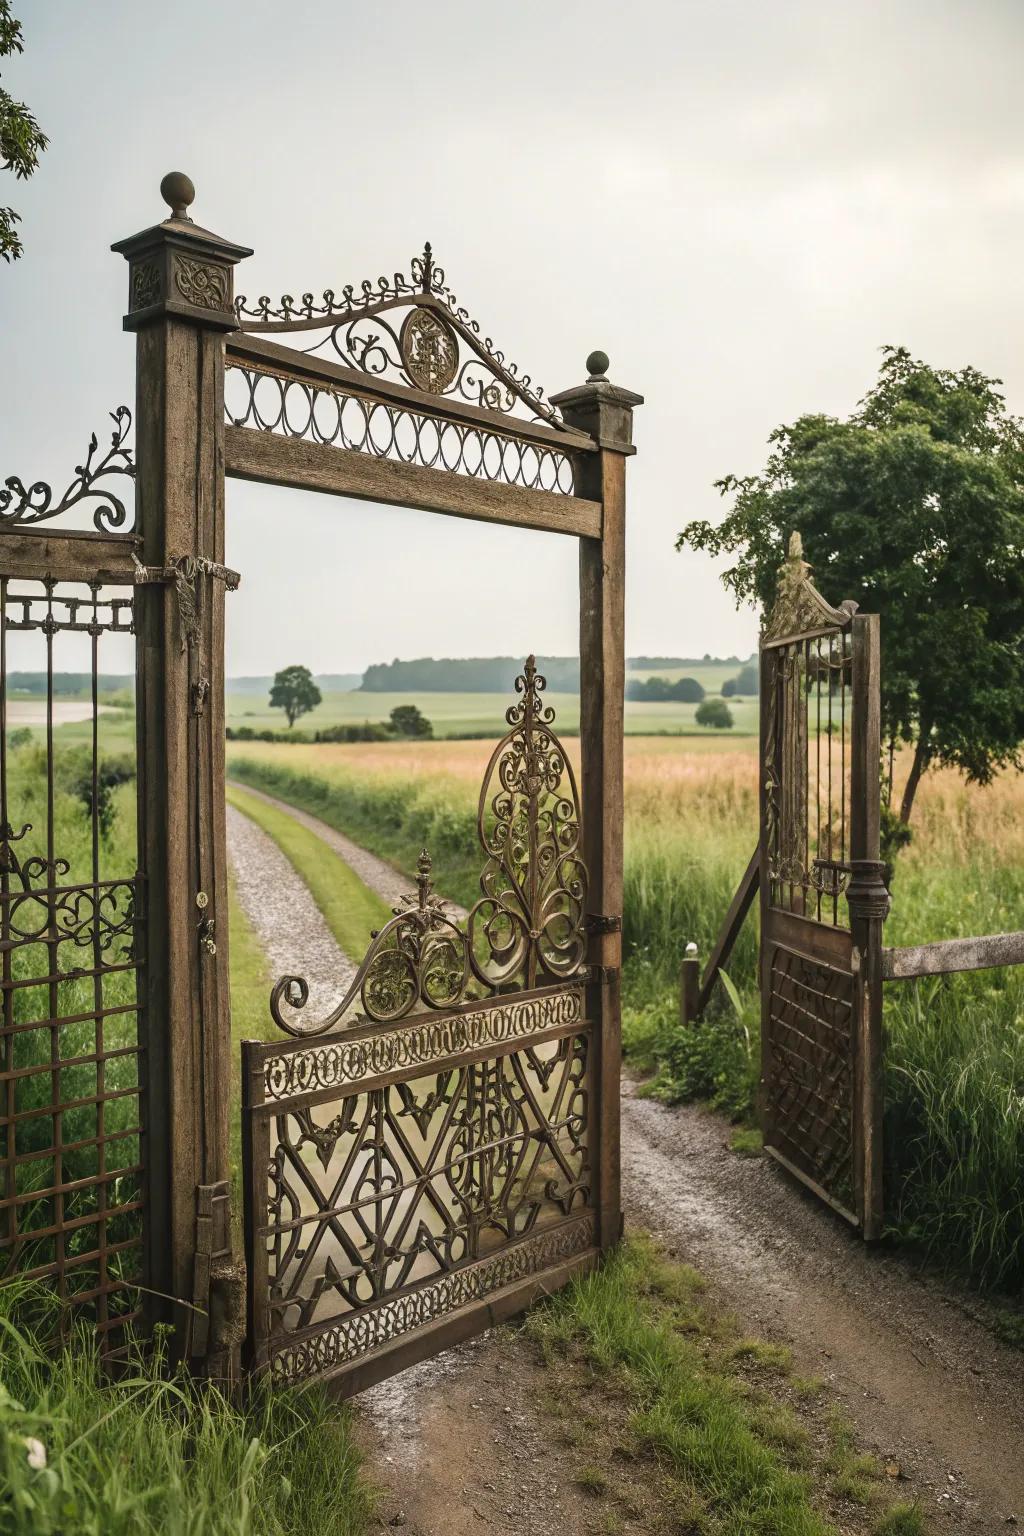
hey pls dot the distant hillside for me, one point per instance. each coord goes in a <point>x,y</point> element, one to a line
<point>327,682</point>
<point>497,674</point>
<point>69,684</point>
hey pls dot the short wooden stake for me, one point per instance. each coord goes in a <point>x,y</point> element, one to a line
<point>689,989</point>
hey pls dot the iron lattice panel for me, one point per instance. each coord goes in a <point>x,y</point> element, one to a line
<point>70,1081</point>
<point>809,1069</point>
<point>265,401</point>
<point>806,764</point>
<point>386,1206</point>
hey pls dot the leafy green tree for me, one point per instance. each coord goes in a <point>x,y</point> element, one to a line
<point>714,712</point>
<point>913,506</point>
<point>294,691</point>
<point>21,139</point>
<point>748,682</point>
<point>406,720</point>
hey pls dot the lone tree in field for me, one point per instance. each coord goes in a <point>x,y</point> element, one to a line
<point>914,506</point>
<point>714,712</point>
<point>294,691</point>
<point>21,139</point>
<point>407,720</point>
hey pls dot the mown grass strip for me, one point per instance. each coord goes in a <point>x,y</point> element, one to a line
<point>351,910</point>
<point>251,982</point>
<point>714,1412</point>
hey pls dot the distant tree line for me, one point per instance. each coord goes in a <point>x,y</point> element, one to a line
<point>746,683</point>
<point>658,690</point>
<point>497,674</point>
<point>467,674</point>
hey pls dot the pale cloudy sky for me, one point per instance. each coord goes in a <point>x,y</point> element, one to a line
<point>739,202</point>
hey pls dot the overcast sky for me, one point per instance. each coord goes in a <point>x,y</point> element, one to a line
<point>739,202</point>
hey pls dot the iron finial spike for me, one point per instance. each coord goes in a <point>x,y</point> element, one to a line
<point>178,193</point>
<point>428,267</point>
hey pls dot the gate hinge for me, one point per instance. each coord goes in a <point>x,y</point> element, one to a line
<point>602,974</point>
<point>602,922</point>
<point>212,1253</point>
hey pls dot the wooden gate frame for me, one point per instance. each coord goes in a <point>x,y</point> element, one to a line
<point>182,311</point>
<point>800,613</point>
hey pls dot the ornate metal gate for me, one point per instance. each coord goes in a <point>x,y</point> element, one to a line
<point>71,896</point>
<point>425,1167</point>
<point>823,895</point>
<point>450,1145</point>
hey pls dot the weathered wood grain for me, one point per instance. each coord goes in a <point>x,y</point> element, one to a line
<point>948,956</point>
<point>292,461</point>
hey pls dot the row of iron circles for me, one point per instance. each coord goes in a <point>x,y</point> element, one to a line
<point>273,404</point>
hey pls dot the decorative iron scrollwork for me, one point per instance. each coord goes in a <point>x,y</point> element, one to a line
<point>427,356</point>
<point>531,917</point>
<point>529,925</point>
<point>21,504</point>
<point>799,606</point>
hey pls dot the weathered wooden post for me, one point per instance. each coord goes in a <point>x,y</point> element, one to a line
<point>689,986</point>
<point>605,412</point>
<point>180,307</point>
<point>868,901</point>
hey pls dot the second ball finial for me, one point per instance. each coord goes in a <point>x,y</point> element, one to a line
<point>178,193</point>
<point>597,368</point>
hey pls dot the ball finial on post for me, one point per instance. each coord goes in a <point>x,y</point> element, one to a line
<point>597,368</point>
<point>178,193</point>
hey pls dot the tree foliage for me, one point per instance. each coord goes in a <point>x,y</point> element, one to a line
<point>407,720</point>
<point>658,690</point>
<point>913,506</point>
<point>716,713</point>
<point>21,139</point>
<point>294,691</point>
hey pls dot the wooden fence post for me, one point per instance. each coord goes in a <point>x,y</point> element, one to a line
<point>180,307</point>
<point>868,901</point>
<point>689,986</point>
<point>605,412</point>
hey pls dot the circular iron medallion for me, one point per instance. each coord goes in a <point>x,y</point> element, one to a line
<point>429,351</point>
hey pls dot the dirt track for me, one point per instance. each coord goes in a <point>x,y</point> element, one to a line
<point>927,1386</point>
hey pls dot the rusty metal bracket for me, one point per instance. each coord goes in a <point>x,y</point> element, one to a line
<point>212,1248</point>
<point>602,922</point>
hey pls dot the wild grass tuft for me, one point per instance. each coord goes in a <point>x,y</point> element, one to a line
<point>158,1455</point>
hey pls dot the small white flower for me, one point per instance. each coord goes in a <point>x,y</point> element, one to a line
<point>36,1454</point>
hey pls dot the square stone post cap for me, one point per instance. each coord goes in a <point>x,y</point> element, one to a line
<point>178,268</point>
<point>599,408</point>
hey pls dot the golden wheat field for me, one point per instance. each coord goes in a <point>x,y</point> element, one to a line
<point>677,783</point>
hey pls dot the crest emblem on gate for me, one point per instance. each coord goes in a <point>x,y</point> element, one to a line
<point>429,351</point>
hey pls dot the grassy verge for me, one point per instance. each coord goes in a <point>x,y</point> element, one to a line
<point>684,1424</point>
<point>149,1455</point>
<point>350,909</point>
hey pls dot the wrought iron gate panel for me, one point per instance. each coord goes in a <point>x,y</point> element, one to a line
<point>819,1043</point>
<point>71,1077</point>
<point>431,1151</point>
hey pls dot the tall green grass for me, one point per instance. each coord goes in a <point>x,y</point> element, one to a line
<point>159,1455</point>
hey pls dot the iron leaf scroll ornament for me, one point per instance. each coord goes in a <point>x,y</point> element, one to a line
<point>529,926</point>
<point>423,351</point>
<point>21,505</point>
